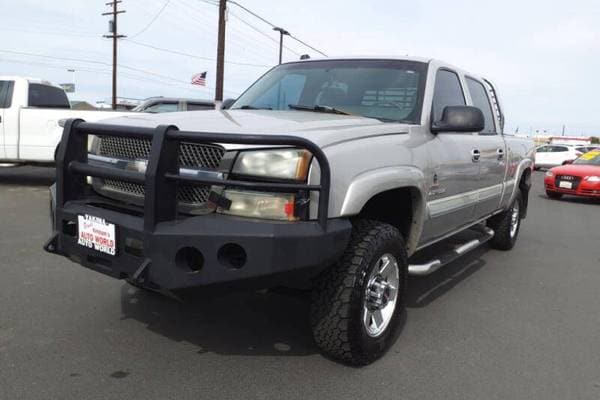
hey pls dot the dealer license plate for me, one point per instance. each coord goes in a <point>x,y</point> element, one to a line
<point>565,185</point>
<point>95,233</point>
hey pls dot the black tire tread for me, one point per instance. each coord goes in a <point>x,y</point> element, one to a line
<point>338,291</point>
<point>501,225</point>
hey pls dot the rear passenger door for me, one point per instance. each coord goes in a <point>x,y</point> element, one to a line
<point>491,146</point>
<point>452,194</point>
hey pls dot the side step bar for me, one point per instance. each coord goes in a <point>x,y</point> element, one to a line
<point>451,255</point>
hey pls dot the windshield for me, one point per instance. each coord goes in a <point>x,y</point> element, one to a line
<point>591,158</point>
<point>389,90</point>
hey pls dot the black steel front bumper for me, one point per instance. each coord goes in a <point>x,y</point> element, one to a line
<point>159,247</point>
<point>230,249</point>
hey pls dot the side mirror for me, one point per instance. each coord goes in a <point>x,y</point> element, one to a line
<point>227,103</point>
<point>568,162</point>
<point>459,119</point>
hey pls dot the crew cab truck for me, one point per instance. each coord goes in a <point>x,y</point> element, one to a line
<point>30,112</point>
<point>337,173</point>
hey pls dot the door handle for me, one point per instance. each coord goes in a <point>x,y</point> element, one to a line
<point>475,155</point>
<point>500,153</point>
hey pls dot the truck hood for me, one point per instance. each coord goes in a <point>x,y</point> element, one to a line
<point>323,129</point>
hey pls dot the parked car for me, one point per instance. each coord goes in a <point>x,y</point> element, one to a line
<point>551,155</point>
<point>330,174</point>
<point>581,178</point>
<point>170,104</point>
<point>586,149</point>
<point>30,111</point>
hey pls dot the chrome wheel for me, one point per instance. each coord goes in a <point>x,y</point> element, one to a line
<point>381,295</point>
<point>514,219</point>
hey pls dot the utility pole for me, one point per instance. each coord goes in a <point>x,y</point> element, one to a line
<point>114,35</point>
<point>220,53</point>
<point>282,32</point>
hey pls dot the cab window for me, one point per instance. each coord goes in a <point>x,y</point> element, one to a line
<point>45,96</point>
<point>447,92</point>
<point>482,101</point>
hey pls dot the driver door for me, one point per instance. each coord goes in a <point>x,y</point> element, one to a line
<point>452,195</point>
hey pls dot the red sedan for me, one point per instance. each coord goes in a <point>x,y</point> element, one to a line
<point>581,178</point>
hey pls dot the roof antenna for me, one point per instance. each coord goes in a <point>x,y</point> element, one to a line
<point>304,57</point>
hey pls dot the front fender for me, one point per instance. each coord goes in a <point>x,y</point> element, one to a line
<point>368,184</point>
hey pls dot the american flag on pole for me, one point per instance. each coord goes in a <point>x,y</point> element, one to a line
<point>199,79</point>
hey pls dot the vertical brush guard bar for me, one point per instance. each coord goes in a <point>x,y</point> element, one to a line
<point>162,172</point>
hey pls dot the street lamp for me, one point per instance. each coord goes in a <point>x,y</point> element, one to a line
<point>281,33</point>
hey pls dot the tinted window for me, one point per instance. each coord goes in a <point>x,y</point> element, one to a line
<point>6,91</point>
<point>161,108</point>
<point>543,149</point>
<point>45,96</point>
<point>387,90</point>
<point>482,101</point>
<point>199,106</point>
<point>447,92</point>
<point>559,149</point>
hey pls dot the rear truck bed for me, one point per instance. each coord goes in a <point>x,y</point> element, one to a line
<point>157,246</point>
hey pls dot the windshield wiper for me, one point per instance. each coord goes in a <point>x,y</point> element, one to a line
<point>318,108</point>
<point>255,108</point>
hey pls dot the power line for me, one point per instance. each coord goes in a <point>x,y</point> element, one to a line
<point>261,32</point>
<point>194,55</point>
<point>307,45</point>
<point>47,32</point>
<point>152,20</point>
<point>272,25</point>
<point>71,59</point>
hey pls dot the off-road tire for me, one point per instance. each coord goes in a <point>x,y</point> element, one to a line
<point>337,300</point>
<point>554,195</point>
<point>501,224</point>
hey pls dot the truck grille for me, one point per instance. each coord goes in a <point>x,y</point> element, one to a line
<point>191,155</point>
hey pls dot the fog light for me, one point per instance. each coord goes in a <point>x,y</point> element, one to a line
<point>189,258</point>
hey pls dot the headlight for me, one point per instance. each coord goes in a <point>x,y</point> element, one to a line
<point>260,205</point>
<point>549,173</point>
<point>592,178</point>
<point>282,164</point>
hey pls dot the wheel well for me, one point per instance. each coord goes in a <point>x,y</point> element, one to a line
<point>394,207</point>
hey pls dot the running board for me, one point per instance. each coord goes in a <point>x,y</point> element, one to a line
<point>485,234</point>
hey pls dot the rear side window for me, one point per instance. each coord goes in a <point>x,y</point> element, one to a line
<point>44,96</point>
<point>482,101</point>
<point>199,106</point>
<point>447,92</point>
<point>559,149</point>
<point>6,92</point>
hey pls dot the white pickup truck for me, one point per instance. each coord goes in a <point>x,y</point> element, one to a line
<point>30,111</point>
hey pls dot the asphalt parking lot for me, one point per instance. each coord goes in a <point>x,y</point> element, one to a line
<point>523,324</point>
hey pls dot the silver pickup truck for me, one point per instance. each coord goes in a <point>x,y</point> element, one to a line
<point>336,174</point>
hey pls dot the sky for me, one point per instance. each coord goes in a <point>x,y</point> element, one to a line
<point>544,56</point>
